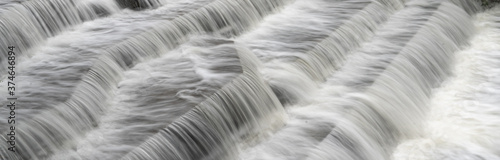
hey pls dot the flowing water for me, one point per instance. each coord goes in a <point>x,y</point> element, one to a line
<point>250,79</point>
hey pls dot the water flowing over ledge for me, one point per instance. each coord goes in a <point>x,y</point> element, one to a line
<point>251,79</point>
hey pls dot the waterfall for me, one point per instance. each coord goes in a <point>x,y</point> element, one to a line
<point>421,69</point>
<point>104,74</point>
<point>461,122</point>
<point>228,116</point>
<point>28,23</point>
<point>373,60</point>
<point>249,79</point>
<point>76,53</point>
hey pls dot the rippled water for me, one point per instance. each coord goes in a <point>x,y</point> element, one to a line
<point>250,79</point>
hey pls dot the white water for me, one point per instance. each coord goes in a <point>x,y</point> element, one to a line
<point>253,79</point>
<point>463,123</point>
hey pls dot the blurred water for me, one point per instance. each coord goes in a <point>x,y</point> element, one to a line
<point>252,79</point>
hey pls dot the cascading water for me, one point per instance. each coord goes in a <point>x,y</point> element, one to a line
<point>28,23</point>
<point>249,79</point>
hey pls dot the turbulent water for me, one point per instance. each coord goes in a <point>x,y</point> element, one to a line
<point>249,80</point>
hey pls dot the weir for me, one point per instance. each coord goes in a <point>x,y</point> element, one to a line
<point>29,23</point>
<point>369,61</point>
<point>422,68</point>
<point>461,108</point>
<point>81,112</point>
<point>232,114</point>
<point>250,79</point>
<point>51,75</point>
<point>331,52</point>
<point>173,85</point>
<point>291,51</point>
